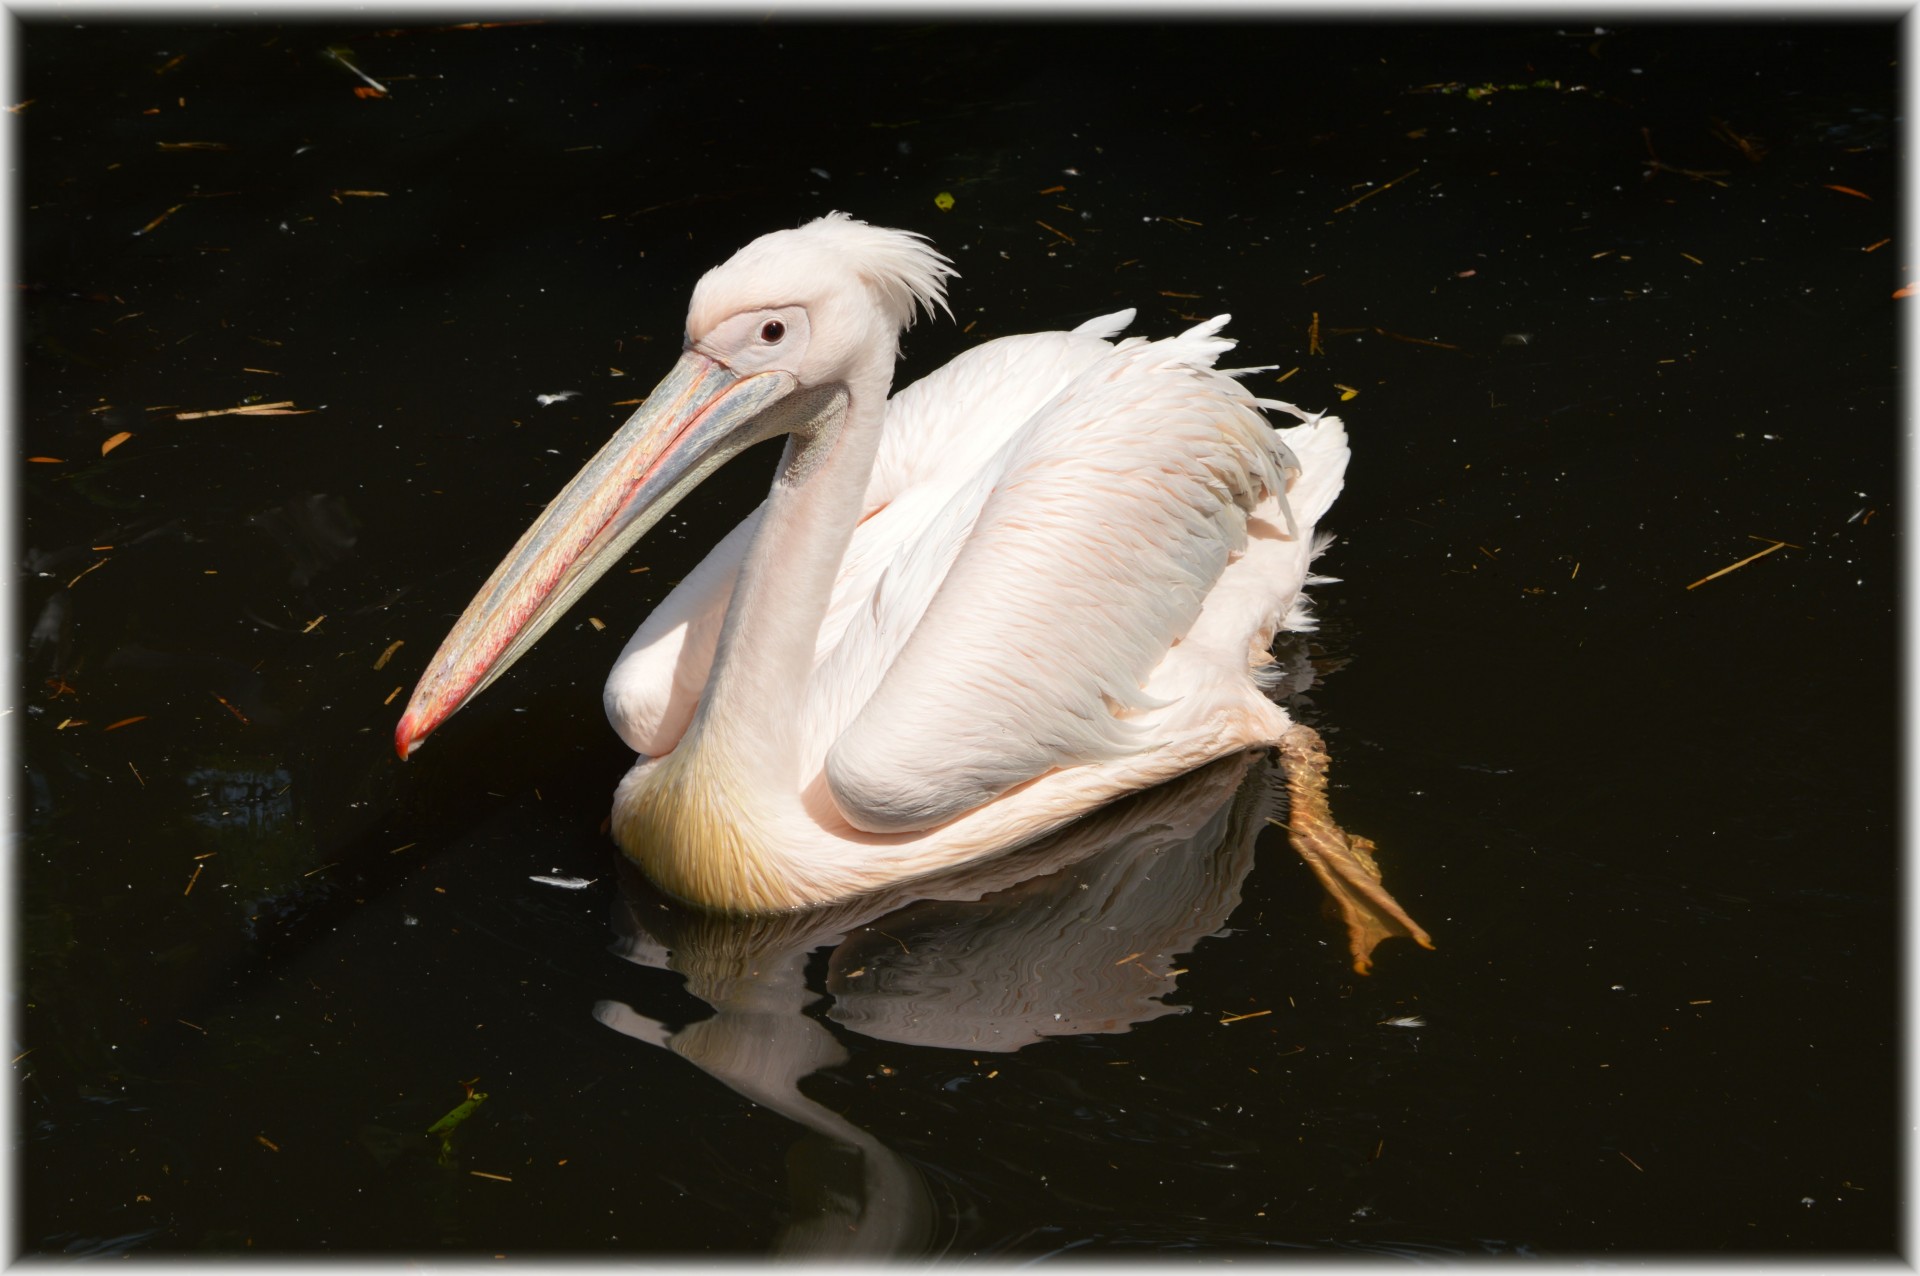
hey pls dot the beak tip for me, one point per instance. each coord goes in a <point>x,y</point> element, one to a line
<point>407,736</point>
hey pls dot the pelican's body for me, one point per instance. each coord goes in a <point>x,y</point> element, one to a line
<point>1044,576</point>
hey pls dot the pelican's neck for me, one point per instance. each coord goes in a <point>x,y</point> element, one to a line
<point>749,719</point>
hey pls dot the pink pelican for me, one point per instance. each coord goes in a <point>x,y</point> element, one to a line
<point>1042,577</point>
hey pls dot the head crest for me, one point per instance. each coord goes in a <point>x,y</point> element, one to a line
<point>902,269</point>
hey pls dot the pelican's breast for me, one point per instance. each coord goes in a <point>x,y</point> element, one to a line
<point>689,822</point>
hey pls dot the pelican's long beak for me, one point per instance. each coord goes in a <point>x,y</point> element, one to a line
<point>698,418</point>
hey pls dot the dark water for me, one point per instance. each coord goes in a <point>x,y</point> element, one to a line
<point>1652,830</point>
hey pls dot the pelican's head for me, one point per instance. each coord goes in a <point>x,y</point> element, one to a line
<point>822,302</point>
<point>779,340</point>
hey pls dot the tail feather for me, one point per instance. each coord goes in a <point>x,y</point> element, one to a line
<point>1106,327</point>
<point>1321,445</point>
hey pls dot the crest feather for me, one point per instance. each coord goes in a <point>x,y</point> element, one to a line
<point>901,265</point>
<point>905,272</point>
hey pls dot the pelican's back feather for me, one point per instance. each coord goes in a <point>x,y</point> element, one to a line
<point>1123,497</point>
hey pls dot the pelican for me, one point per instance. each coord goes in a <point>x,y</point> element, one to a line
<point>1043,577</point>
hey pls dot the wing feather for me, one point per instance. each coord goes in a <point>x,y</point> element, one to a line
<point>1092,538</point>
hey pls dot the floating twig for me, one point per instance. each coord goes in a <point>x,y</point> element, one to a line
<point>1655,164</point>
<point>1418,341</point>
<point>1751,147</point>
<point>97,566</point>
<point>372,83</point>
<point>162,217</point>
<point>1251,1014</point>
<point>1377,190</point>
<point>1743,562</point>
<point>283,408</point>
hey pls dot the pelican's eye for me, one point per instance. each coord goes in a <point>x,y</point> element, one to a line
<point>772,330</point>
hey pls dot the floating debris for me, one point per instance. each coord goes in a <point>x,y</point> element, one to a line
<point>1751,147</point>
<point>447,1124</point>
<point>339,55</point>
<point>162,217</point>
<point>1743,562</point>
<point>283,408</point>
<point>1377,190</point>
<point>564,883</point>
<point>1417,341</point>
<point>97,566</point>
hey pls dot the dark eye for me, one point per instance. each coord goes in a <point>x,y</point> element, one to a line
<point>772,330</point>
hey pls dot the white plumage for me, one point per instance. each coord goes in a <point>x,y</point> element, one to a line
<point>1043,576</point>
